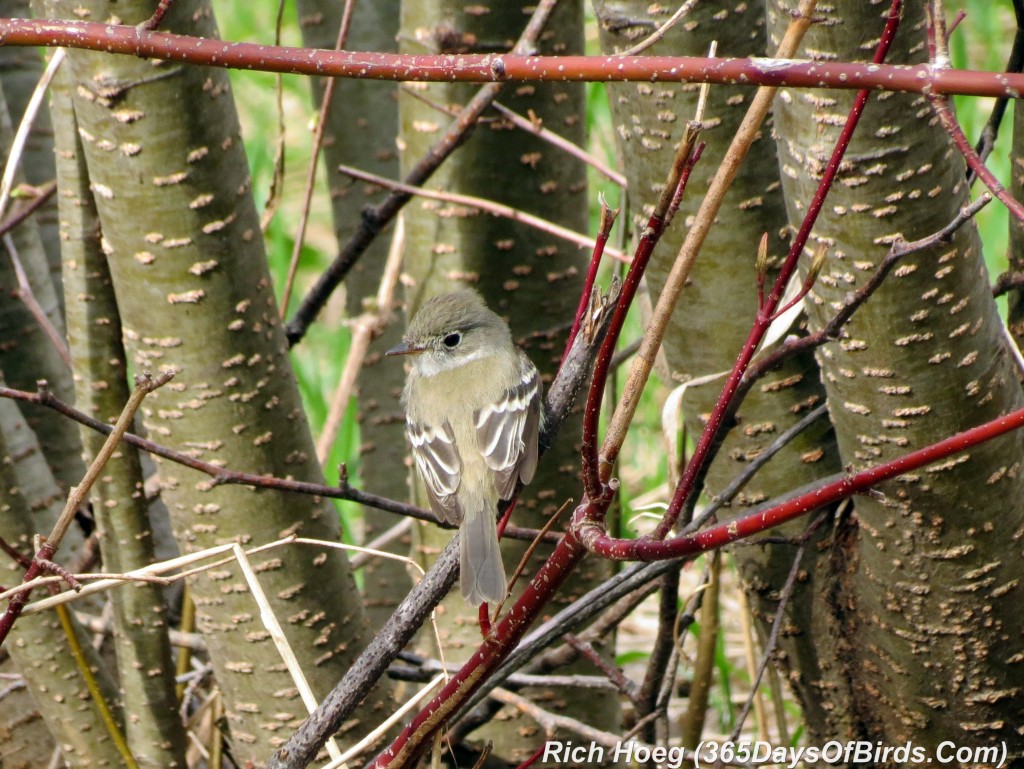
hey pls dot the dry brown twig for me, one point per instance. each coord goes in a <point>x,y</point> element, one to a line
<point>487,206</point>
<point>314,159</point>
<point>661,31</point>
<point>553,722</point>
<point>533,125</point>
<point>364,329</point>
<point>144,384</point>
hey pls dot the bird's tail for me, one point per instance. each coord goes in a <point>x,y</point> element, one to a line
<point>483,574</point>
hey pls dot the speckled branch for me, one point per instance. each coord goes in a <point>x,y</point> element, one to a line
<point>221,475</point>
<point>489,68</point>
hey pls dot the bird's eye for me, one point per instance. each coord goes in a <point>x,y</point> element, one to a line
<point>452,340</point>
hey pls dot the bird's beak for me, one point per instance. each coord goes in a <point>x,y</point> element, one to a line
<point>406,348</point>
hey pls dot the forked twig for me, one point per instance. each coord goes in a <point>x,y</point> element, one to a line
<point>144,384</point>
<point>943,111</point>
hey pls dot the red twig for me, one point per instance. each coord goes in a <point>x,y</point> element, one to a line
<point>484,620</point>
<point>941,107</point>
<point>503,638</point>
<point>1014,63</point>
<point>725,533</point>
<point>532,759</point>
<point>56,569</point>
<point>604,229</point>
<point>687,154</point>
<point>14,554</point>
<point>611,671</point>
<point>483,68</point>
<point>154,21</point>
<point>812,275</point>
<point>17,603</point>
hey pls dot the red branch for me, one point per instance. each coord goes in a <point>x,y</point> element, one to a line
<point>687,155</point>
<point>415,738</point>
<point>36,569</point>
<point>113,38</point>
<point>755,523</point>
<point>604,230</point>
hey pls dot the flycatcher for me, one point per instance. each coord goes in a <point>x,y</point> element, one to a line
<point>473,416</point>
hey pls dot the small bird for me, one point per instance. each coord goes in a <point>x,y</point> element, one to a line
<point>473,415</point>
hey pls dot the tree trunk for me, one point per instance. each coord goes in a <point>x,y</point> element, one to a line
<point>142,647</point>
<point>183,244</point>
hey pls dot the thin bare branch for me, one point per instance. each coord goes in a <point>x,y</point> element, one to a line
<point>39,198</point>
<point>144,384</point>
<point>221,475</point>
<point>536,127</point>
<point>28,298</point>
<point>314,159</point>
<point>944,112</point>
<point>481,204</point>
<point>17,148</point>
<point>661,31</point>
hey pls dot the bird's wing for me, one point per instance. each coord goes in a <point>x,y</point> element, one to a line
<point>433,449</point>
<point>507,431</point>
